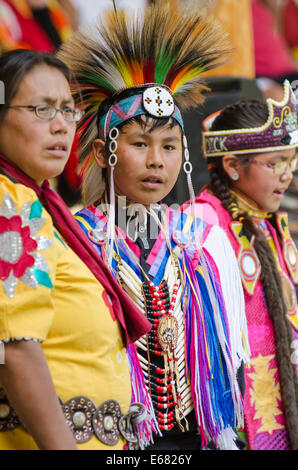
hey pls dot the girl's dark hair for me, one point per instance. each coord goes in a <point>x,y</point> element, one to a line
<point>14,66</point>
<point>247,114</point>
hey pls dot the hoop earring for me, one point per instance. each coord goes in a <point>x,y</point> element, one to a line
<point>187,167</point>
<point>112,161</point>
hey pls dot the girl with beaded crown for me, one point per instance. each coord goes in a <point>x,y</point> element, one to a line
<point>250,147</point>
<point>132,76</point>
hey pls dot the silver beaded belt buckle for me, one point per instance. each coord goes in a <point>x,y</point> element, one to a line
<point>85,419</point>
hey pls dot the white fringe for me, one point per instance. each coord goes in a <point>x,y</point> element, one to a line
<point>111,222</point>
<point>219,247</point>
<point>226,439</point>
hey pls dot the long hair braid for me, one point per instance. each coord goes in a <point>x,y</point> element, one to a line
<point>239,115</point>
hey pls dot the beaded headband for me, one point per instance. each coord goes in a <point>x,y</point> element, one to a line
<point>156,101</point>
<point>278,133</point>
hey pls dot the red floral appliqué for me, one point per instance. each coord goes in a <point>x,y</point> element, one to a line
<point>24,260</point>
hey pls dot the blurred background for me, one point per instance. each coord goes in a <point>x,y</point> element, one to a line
<point>263,33</point>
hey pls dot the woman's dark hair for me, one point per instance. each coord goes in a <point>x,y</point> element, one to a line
<point>247,114</point>
<point>14,66</point>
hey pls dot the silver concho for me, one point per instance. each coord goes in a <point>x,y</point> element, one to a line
<point>128,423</point>
<point>8,419</point>
<point>105,422</point>
<point>78,412</point>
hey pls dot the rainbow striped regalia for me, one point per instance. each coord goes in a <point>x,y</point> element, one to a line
<point>212,336</point>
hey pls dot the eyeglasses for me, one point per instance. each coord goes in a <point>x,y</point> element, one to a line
<point>49,112</point>
<point>279,168</point>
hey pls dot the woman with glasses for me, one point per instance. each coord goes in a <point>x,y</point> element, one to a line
<point>250,148</point>
<point>64,322</point>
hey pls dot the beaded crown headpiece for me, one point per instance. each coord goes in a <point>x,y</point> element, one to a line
<point>164,50</point>
<point>279,132</point>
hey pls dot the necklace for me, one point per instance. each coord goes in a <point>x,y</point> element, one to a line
<point>164,345</point>
<point>251,210</point>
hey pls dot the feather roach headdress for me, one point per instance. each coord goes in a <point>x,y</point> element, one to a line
<point>167,45</point>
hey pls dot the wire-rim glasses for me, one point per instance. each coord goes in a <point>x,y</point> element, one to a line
<point>49,112</point>
<point>279,168</point>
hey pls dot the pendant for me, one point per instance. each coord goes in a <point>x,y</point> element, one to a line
<point>98,236</point>
<point>249,264</point>
<point>167,333</point>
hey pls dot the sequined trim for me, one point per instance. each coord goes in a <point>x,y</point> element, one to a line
<point>19,244</point>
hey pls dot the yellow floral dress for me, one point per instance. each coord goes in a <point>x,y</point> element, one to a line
<point>49,295</point>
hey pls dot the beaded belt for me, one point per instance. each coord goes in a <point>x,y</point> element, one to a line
<point>85,419</point>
